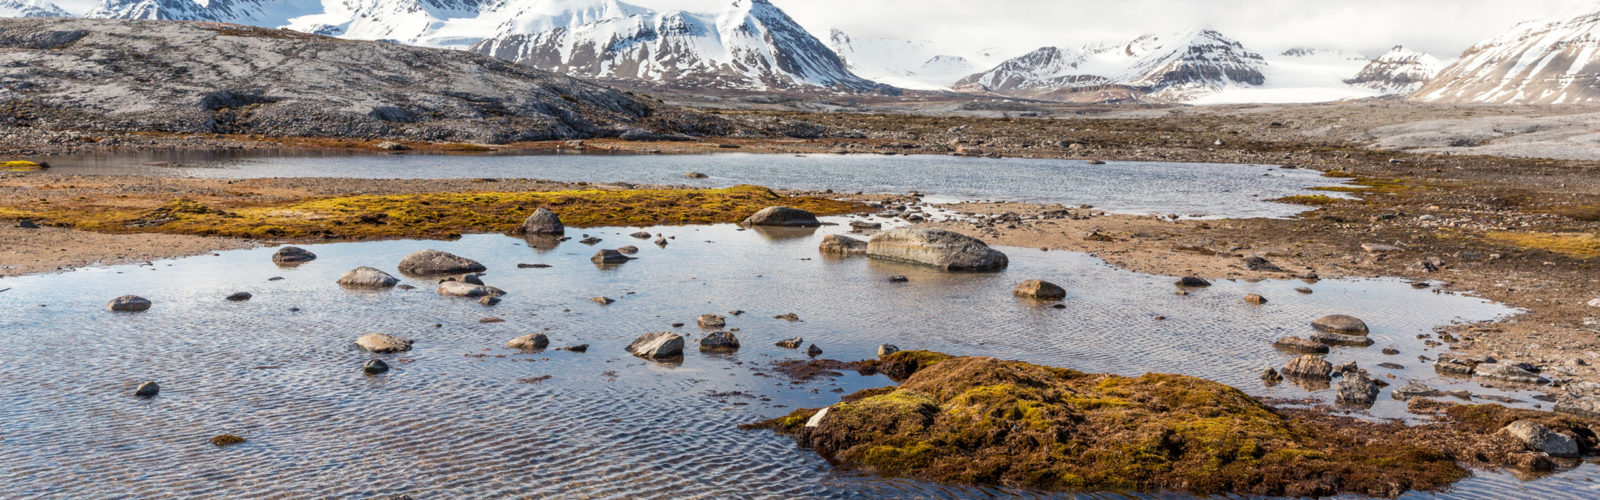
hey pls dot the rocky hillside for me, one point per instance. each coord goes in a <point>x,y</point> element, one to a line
<point>120,75</point>
<point>1534,63</point>
<point>1398,71</point>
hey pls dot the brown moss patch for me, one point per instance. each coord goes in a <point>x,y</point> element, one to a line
<point>990,422</point>
<point>439,215</point>
<point>1584,245</point>
<point>1309,199</point>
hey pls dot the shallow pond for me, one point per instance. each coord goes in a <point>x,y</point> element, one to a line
<point>1190,189</point>
<point>460,415</point>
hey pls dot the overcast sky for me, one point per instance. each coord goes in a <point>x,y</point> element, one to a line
<point>1441,27</point>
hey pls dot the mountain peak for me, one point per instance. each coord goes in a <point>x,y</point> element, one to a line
<point>1555,62</point>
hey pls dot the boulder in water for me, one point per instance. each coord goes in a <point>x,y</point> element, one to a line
<point>1341,324</point>
<point>367,277</point>
<point>843,246</point>
<point>946,250</point>
<point>530,342</point>
<point>720,342</point>
<point>129,303</point>
<point>782,216</point>
<point>383,344</point>
<point>659,345</point>
<point>289,256</point>
<point>1039,289</point>
<point>437,263</point>
<point>542,221</point>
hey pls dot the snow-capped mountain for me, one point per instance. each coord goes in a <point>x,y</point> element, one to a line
<point>1168,67</point>
<point>1398,71</point>
<point>750,45</point>
<point>31,8</point>
<point>1299,75</point>
<point>905,63</point>
<point>415,22</point>
<point>1533,63</point>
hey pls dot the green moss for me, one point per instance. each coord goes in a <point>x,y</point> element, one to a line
<point>1309,199</point>
<point>1586,245</point>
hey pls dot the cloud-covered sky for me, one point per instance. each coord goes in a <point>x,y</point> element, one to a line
<point>1441,27</point>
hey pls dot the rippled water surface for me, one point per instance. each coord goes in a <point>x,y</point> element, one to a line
<point>462,416</point>
<point>1189,189</point>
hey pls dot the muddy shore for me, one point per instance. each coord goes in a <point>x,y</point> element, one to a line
<point>1514,230</point>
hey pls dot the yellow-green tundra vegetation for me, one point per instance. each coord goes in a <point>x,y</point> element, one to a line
<point>978,420</point>
<point>432,215</point>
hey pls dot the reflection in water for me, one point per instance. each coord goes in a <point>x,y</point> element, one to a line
<point>778,233</point>
<point>1189,189</point>
<point>461,415</point>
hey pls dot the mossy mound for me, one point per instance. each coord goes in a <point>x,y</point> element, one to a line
<point>444,215</point>
<point>984,421</point>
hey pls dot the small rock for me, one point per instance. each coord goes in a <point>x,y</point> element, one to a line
<point>27,224</point>
<point>1304,290</point>
<point>661,242</point>
<point>1508,372</point>
<point>641,235</point>
<point>542,222</point>
<point>712,321</point>
<point>793,343</point>
<point>1336,339</point>
<point>813,351</point>
<point>367,277</point>
<point>604,301</point>
<point>129,303</point>
<point>843,246</point>
<point>392,146</point>
<point>437,263</point>
<point>816,420</point>
<point>468,290</point>
<point>1356,389</point>
<point>898,279</point>
<point>695,175</point>
<point>1309,367</point>
<point>147,390</point>
<point>720,342</point>
<point>1415,389</point>
<point>374,367</point>
<point>530,342</point>
<point>660,345</point>
<point>628,250</point>
<point>1255,298</point>
<point>1378,248</point>
<point>575,348</point>
<point>239,297</point>
<point>489,300</point>
<point>946,250</point>
<point>383,344</point>
<point>1041,290</point>
<point>1271,375</point>
<point>1255,263</point>
<point>886,349</point>
<point>1391,350</point>
<point>609,257</point>
<point>226,440</point>
<point>790,317</point>
<point>591,241</point>
<point>292,256</point>
<point>1193,282</point>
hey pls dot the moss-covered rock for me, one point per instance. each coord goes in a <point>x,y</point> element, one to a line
<point>985,421</point>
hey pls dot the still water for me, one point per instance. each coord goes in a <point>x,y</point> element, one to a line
<point>462,416</point>
<point>1205,190</point>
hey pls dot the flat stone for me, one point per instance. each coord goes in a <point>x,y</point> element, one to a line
<point>609,257</point>
<point>1255,298</point>
<point>468,290</point>
<point>383,344</point>
<point>1193,282</point>
<point>1414,389</point>
<point>239,297</point>
<point>129,303</point>
<point>292,256</point>
<point>659,345</point>
<point>628,250</point>
<point>1335,339</point>
<point>1540,438</point>
<point>1300,345</point>
<point>1255,263</point>
<point>367,277</point>
<point>1507,372</point>
<point>1339,323</point>
<point>1378,248</point>
<point>842,246</point>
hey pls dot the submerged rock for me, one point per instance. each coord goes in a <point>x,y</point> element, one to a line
<point>1039,289</point>
<point>383,344</point>
<point>544,222</point>
<point>367,277</point>
<point>374,367</point>
<point>843,246</point>
<point>1414,389</point>
<point>129,303</point>
<point>712,321</point>
<point>1335,339</point>
<point>1300,345</point>
<point>288,256</point>
<point>793,343</point>
<point>659,345</point>
<point>1340,324</point>
<point>782,216</point>
<point>468,290</point>
<point>1193,282</point>
<point>530,342</point>
<point>720,342</point>
<point>942,249</point>
<point>437,263</point>
<point>239,297</point>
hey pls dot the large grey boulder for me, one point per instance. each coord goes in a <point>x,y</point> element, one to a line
<point>1309,367</point>
<point>782,216</point>
<point>659,345</point>
<point>543,221</point>
<point>367,277</point>
<point>1340,324</point>
<point>946,250</point>
<point>1540,438</point>
<point>469,290</point>
<point>842,246</point>
<point>437,263</point>
<point>383,344</point>
<point>129,303</point>
<point>289,256</point>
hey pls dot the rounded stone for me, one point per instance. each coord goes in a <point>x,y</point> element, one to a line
<point>129,303</point>
<point>1038,289</point>
<point>383,344</point>
<point>782,216</point>
<point>1342,324</point>
<point>530,342</point>
<point>374,367</point>
<point>720,342</point>
<point>542,221</point>
<point>147,390</point>
<point>367,277</point>
<point>886,349</point>
<point>435,263</point>
<point>292,256</point>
